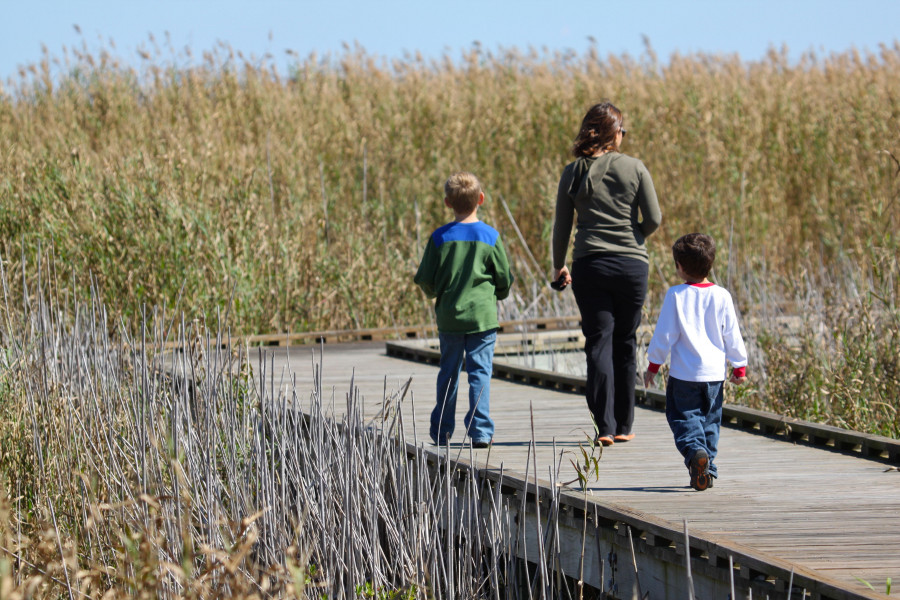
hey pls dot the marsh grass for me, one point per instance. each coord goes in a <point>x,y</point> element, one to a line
<point>206,173</point>
<point>300,200</point>
<point>843,366</point>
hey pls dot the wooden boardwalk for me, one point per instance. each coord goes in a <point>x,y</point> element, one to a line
<point>833,515</point>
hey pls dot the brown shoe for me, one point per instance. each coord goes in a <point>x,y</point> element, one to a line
<point>699,475</point>
<point>606,440</point>
<point>623,437</point>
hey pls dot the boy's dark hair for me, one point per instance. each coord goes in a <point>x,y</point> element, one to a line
<point>463,191</point>
<point>696,253</point>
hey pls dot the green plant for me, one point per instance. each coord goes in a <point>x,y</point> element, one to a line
<point>887,585</point>
<point>367,590</point>
<point>587,466</point>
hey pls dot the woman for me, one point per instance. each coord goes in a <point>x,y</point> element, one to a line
<point>607,191</point>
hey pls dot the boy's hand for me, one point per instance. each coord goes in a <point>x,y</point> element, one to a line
<point>648,378</point>
<point>738,380</point>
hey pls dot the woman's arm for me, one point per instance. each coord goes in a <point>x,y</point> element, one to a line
<point>651,216</point>
<point>562,223</point>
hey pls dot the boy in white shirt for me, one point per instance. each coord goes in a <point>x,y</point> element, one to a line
<point>698,325</point>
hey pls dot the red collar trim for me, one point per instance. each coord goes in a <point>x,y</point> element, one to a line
<point>701,285</point>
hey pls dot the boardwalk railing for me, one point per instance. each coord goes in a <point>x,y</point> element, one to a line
<point>399,332</point>
<point>568,324</point>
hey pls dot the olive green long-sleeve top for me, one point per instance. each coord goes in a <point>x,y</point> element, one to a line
<point>607,193</point>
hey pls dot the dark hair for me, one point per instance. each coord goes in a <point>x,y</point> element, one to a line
<point>696,253</point>
<point>463,190</point>
<point>598,130</point>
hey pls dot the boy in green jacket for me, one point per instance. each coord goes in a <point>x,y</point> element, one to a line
<point>466,270</point>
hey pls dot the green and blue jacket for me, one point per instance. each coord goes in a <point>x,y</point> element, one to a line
<point>466,270</point>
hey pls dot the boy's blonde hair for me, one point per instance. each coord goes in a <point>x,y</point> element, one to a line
<point>463,190</point>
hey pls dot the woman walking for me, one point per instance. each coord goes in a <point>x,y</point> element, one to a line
<point>610,197</point>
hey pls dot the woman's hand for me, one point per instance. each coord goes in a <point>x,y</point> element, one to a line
<point>558,272</point>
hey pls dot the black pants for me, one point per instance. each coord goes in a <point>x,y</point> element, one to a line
<point>610,292</point>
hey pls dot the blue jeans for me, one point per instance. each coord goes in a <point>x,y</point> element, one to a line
<point>694,412</point>
<point>478,350</point>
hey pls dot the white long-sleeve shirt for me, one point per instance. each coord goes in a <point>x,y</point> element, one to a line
<point>698,325</point>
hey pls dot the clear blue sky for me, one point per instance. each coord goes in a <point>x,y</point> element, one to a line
<point>388,28</point>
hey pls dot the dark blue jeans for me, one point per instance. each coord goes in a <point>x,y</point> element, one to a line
<point>478,351</point>
<point>610,292</point>
<point>694,412</point>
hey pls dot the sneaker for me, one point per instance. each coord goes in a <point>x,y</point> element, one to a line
<point>606,440</point>
<point>624,437</point>
<point>698,468</point>
<point>480,444</point>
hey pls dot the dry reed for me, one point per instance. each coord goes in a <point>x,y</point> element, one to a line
<point>133,471</point>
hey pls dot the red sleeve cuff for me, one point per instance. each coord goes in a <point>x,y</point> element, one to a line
<point>739,372</point>
<point>653,367</point>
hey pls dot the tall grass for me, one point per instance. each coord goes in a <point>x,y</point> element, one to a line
<point>841,366</point>
<point>301,200</point>
<point>129,470</point>
<point>228,173</point>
